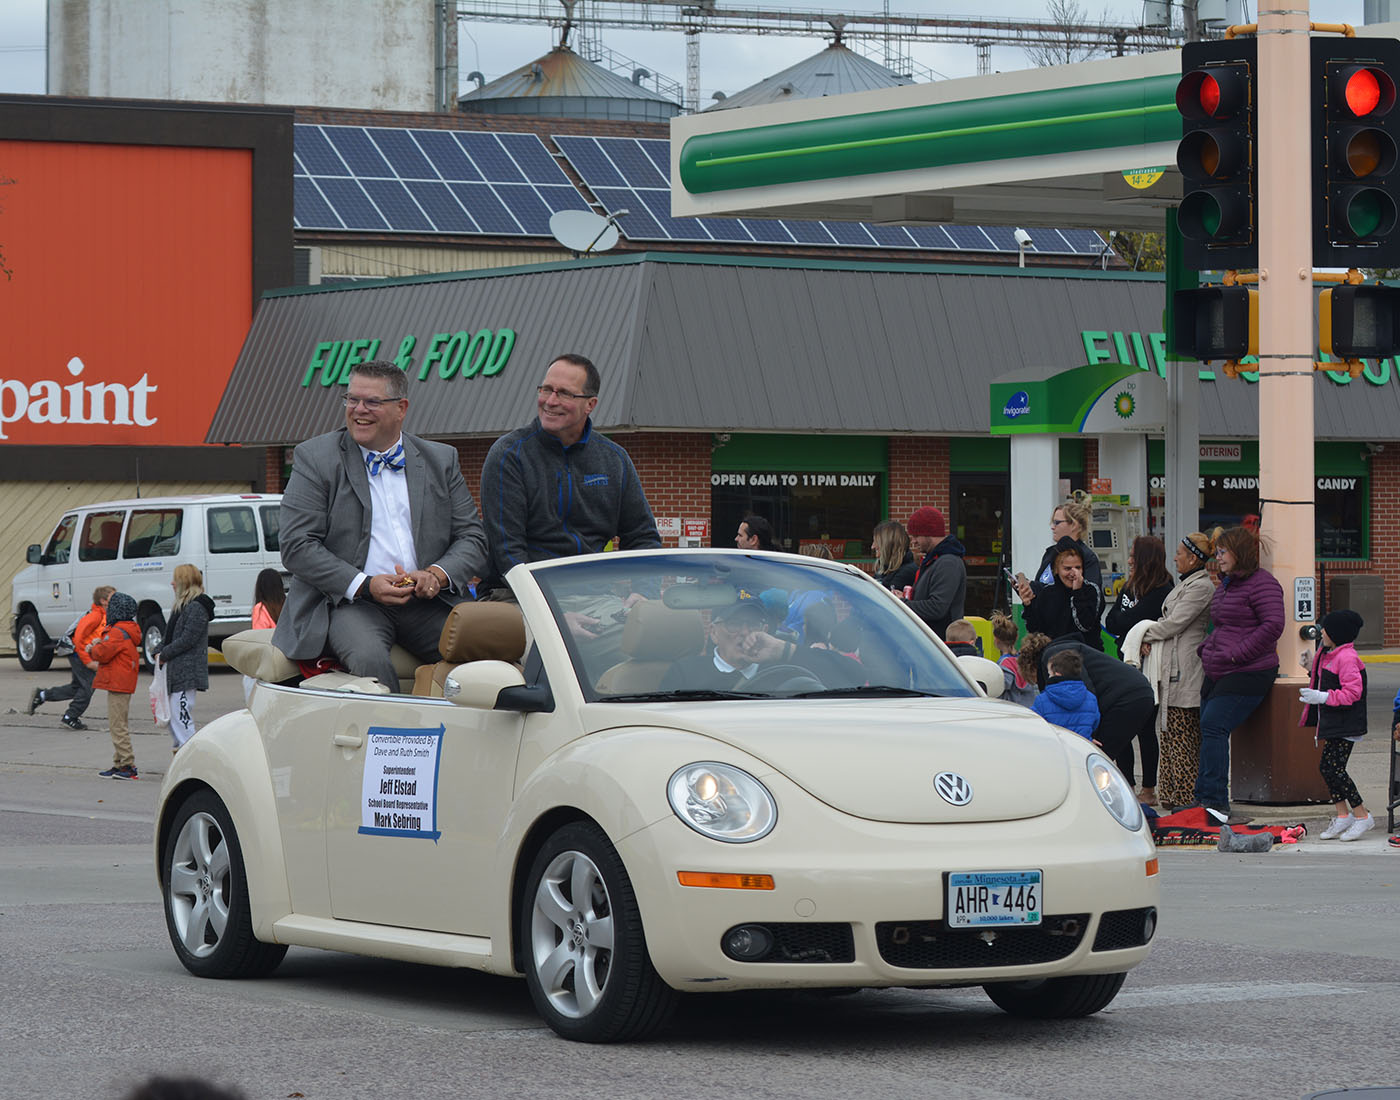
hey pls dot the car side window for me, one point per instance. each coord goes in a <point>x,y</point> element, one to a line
<point>61,541</point>
<point>102,532</point>
<point>232,531</point>
<point>153,533</point>
<point>269,514</point>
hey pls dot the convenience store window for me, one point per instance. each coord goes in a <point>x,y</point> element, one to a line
<point>830,489</point>
<point>1229,492</point>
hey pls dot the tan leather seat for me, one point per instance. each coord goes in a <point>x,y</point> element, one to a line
<point>489,631</point>
<point>654,638</point>
<point>252,653</point>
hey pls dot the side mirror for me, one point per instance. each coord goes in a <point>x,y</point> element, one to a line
<point>479,684</point>
<point>987,674</point>
<point>35,554</point>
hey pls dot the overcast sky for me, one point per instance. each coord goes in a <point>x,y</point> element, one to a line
<point>728,63</point>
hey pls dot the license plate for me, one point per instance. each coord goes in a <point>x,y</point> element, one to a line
<point>988,899</point>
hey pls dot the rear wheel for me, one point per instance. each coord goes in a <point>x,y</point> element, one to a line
<point>32,642</point>
<point>1056,998</point>
<point>152,637</point>
<point>206,895</point>
<point>585,955</point>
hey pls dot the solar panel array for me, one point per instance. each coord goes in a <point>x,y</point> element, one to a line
<point>468,182</point>
<point>387,180</point>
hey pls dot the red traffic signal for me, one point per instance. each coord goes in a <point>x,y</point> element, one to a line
<point>1356,189</point>
<point>1216,156</point>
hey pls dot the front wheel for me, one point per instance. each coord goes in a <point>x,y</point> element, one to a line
<point>206,895</point>
<point>1056,998</point>
<point>152,637</point>
<point>32,642</point>
<point>585,955</point>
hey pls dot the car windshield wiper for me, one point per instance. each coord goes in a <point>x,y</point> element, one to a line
<point>682,695</point>
<point>869,689</point>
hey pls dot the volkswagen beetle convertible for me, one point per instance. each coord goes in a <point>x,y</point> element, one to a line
<point>659,773</point>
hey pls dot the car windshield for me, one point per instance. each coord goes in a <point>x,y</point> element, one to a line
<point>730,625</point>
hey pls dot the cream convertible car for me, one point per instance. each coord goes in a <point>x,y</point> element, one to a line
<point>590,799</point>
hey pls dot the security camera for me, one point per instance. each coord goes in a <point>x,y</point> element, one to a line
<point>1022,237</point>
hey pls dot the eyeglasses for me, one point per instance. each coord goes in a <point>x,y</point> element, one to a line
<point>547,392</point>
<point>370,403</point>
<point>1059,523</point>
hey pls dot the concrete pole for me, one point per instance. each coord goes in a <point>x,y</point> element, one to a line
<point>1269,762</point>
<point>1285,311</point>
<point>1035,492</point>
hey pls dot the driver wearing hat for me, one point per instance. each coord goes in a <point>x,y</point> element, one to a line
<point>743,646</point>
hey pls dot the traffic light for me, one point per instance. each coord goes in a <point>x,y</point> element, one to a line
<point>1216,322</point>
<point>1359,322</point>
<point>1356,218</point>
<point>1217,156</point>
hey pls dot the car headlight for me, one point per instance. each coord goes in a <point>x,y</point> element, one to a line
<point>1114,792</point>
<point>722,802</point>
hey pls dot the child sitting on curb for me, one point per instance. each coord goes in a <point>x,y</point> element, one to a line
<point>1067,700</point>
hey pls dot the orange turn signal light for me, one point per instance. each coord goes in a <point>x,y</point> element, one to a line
<point>725,881</point>
<point>1151,867</point>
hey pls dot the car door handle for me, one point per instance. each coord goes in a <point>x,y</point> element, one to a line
<point>349,740</point>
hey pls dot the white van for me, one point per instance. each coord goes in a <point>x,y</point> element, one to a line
<point>135,545</point>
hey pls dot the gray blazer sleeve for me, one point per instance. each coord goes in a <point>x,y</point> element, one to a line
<point>462,537</point>
<point>321,520</point>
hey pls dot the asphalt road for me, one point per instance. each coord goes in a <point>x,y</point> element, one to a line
<point>1272,976</point>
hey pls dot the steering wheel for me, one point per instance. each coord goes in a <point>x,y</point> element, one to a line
<point>789,678</point>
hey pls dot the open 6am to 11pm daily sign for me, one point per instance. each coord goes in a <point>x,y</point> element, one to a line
<point>399,794</point>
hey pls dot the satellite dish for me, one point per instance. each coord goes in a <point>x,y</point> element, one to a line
<point>583,231</point>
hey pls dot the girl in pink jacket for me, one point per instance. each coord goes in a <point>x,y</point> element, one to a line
<point>1336,705</point>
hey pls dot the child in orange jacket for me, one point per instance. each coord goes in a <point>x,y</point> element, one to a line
<point>116,659</point>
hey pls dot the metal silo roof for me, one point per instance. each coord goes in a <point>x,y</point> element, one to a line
<point>835,71</point>
<point>559,78</point>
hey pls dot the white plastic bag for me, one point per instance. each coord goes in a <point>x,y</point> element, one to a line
<point>160,697</point>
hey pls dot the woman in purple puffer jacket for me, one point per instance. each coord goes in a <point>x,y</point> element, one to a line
<point>1239,658</point>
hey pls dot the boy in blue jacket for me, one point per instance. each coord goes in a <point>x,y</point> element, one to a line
<point>1067,700</point>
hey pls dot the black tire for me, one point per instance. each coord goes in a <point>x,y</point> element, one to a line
<point>152,637</point>
<point>625,998</point>
<point>205,891</point>
<point>1056,998</point>
<point>32,642</point>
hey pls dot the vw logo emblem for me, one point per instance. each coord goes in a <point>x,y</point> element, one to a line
<point>953,788</point>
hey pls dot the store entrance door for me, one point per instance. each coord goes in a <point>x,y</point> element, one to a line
<point>981,523</point>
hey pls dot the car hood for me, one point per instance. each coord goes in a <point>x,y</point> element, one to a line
<point>878,760</point>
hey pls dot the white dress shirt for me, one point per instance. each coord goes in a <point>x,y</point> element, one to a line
<point>391,524</point>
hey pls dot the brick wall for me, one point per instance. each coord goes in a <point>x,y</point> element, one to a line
<point>674,468</point>
<point>1385,542</point>
<point>919,474</point>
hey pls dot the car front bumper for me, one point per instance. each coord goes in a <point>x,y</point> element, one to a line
<point>873,895</point>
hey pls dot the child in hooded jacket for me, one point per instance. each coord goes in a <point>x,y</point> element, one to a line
<point>1336,704</point>
<point>1066,699</point>
<point>116,659</point>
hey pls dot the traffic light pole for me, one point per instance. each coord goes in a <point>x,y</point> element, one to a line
<point>1263,748</point>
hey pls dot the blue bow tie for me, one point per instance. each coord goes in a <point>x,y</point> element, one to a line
<point>392,460</point>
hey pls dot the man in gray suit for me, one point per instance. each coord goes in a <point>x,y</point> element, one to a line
<point>379,532</point>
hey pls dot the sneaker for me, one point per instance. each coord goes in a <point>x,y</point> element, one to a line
<point>1337,828</point>
<point>1359,828</point>
<point>73,723</point>
<point>35,701</point>
<point>119,773</point>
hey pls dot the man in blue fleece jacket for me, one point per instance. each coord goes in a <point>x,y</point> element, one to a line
<point>555,488</point>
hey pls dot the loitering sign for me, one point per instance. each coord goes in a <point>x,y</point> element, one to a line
<point>399,789</point>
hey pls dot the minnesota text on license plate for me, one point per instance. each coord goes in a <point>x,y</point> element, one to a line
<point>982,898</point>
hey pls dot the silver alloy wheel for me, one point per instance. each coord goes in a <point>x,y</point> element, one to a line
<point>571,934</point>
<point>199,885</point>
<point>28,641</point>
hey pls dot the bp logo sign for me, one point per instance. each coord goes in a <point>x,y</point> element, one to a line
<point>1018,404</point>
